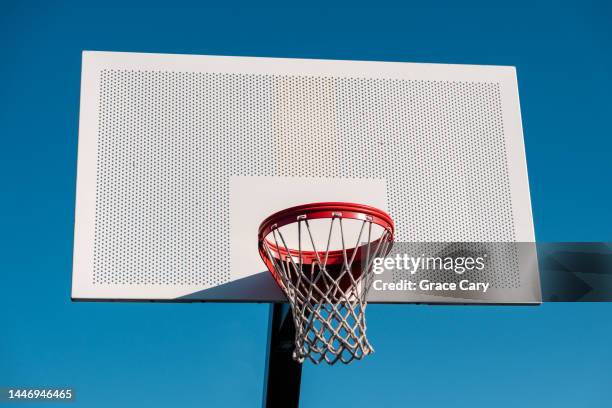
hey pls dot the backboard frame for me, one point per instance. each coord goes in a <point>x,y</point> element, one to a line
<point>93,62</point>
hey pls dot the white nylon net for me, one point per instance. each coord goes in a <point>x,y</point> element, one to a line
<point>327,288</point>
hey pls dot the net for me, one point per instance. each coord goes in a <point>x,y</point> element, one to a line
<point>326,272</point>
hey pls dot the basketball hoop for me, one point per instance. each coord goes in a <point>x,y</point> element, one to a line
<point>325,271</point>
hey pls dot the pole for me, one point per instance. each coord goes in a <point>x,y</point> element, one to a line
<point>283,374</point>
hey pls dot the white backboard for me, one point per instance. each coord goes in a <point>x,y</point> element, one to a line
<point>182,156</point>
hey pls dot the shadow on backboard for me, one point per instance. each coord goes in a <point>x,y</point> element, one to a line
<point>259,287</point>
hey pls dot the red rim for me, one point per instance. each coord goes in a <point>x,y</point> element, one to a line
<point>315,211</point>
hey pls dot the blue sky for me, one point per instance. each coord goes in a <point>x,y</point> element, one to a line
<point>208,355</point>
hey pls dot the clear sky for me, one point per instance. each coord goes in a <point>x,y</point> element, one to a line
<point>206,355</point>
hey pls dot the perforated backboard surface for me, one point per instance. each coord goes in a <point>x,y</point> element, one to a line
<point>181,157</point>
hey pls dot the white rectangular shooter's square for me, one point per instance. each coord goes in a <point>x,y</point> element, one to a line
<point>248,209</point>
<point>181,156</point>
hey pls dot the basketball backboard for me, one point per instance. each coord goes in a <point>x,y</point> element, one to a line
<point>181,157</point>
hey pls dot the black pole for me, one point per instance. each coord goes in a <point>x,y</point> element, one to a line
<point>283,374</point>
